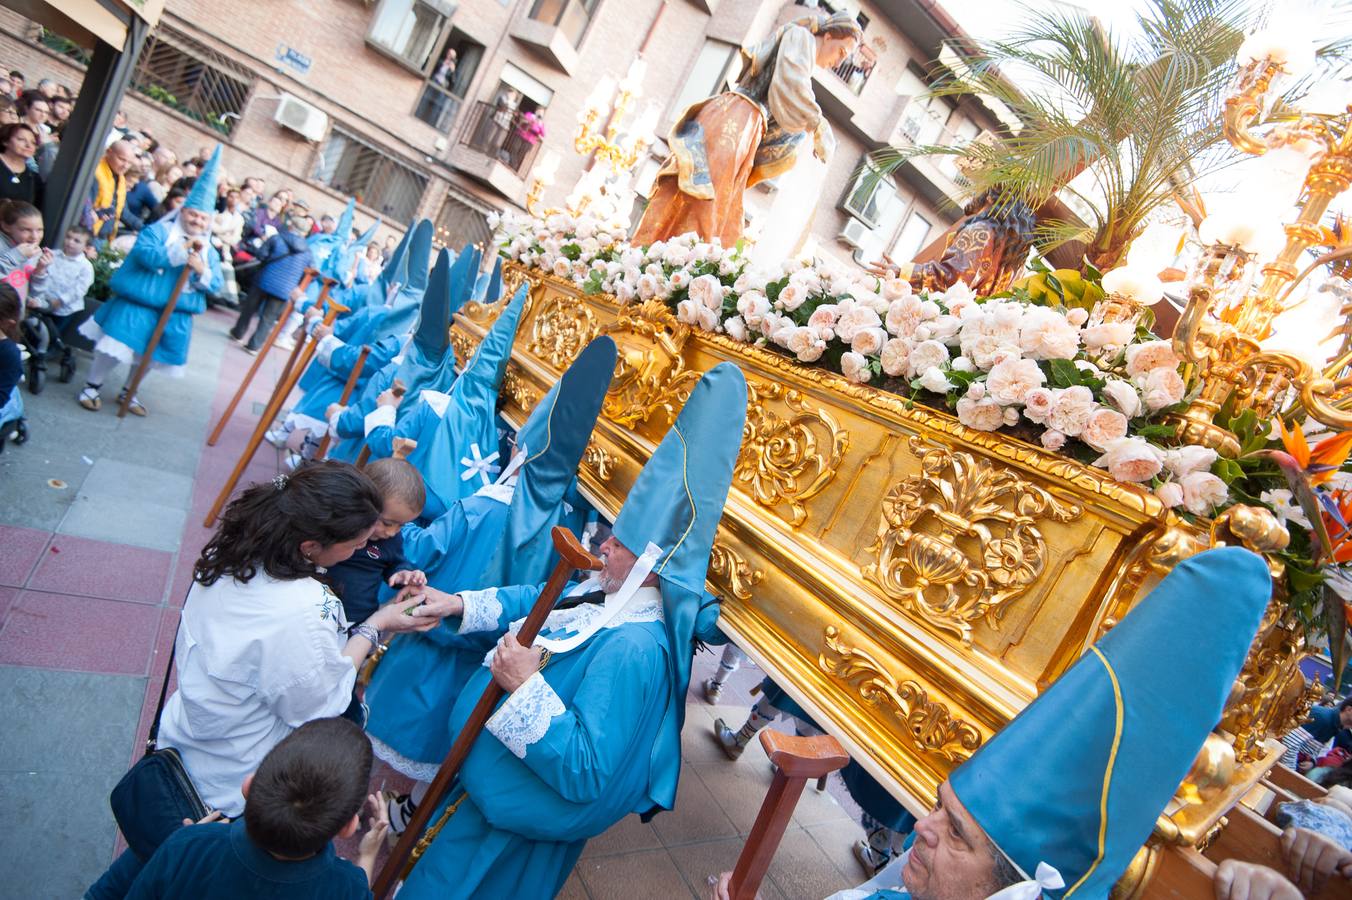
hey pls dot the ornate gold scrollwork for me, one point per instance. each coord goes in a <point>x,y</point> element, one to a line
<point>560,330</point>
<point>599,460</point>
<point>516,389</point>
<point>731,568</point>
<point>650,374</point>
<point>959,541</point>
<point>463,345</point>
<point>929,725</point>
<point>787,460</point>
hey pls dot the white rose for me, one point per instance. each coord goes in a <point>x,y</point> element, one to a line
<point>1122,397</point>
<point>708,291</point>
<point>1170,494</point>
<point>982,415</point>
<point>735,328</point>
<point>1053,440</point>
<point>1183,461</point>
<point>894,355</point>
<point>1108,336</point>
<point>753,307</point>
<point>1046,334</point>
<point>1010,381</point>
<point>624,292</point>
<point>1131,459</point>
<point>824,318</point>
<point>1142,358</point>
<point>926,355</point>
<point>706,318</point>
<point>895,288</point>
<point>679,279</point>
<point>945,328</point>
<point>933,380</point>
<point>1203,492</point>
<point>855,367</point>
<point>1072,410</point>
<point>1077,316</point>
<point>854,319</point>
<point>1161,387</point>
<point>963,364</point>
<point>688,311</point>
<point>868,341</point>
<point>563,267</point>
<point>903,316</point>
<point>791,297</point>
<point>648,286</point>
<point>1011,416</point>
<point>1104,426</point>
<point>976,390</point>
<point>804,344</point>
<point>959,293</point>
<point>1037,406</point>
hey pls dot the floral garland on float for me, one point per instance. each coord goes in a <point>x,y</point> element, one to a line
<point>1068,378</point>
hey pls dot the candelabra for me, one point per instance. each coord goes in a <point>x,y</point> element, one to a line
<point>602,130</point>
<point>1225,333</point>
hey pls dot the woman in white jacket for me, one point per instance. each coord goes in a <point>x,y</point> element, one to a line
<point>263,646</point>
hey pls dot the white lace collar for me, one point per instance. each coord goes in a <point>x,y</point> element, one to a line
<point>644,606</point>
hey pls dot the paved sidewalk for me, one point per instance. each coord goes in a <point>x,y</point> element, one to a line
<point>100,523</point>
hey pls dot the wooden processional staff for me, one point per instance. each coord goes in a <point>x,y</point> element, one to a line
<point>572,556</point>
<point>306,347</point>
<point>348,388</point>
<point>129,393</point>
<point>258,358</point>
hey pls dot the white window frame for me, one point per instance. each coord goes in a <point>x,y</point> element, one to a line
<point>443,8</point>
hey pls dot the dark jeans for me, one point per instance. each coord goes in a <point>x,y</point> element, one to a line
<point>248,307</point>
<point>116,882</point>
<point>269,310</point>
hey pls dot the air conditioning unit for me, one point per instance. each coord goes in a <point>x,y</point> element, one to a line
<point>296,115</point>
<point>854,233</point>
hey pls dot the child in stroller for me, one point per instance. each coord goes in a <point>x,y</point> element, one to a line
<point>54,305</point>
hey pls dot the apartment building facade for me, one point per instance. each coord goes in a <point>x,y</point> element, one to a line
<point>442,109</point>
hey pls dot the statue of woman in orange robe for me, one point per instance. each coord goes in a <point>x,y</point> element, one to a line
<point>724,144</point>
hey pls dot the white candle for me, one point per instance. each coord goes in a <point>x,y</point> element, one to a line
<point>601,95</point>
<point>1135,283</point>
<point>547,168</point>
<point>1289,46</point>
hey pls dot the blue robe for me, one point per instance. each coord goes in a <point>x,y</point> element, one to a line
<point>565,757</point>
<point>143,285</point>
<point>324,380</point>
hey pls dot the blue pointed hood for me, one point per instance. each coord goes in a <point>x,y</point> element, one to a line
<point>1078,779</point>
<point>676,504</point>
<point>463,280</point>
<point>410,281</point>
<point>429,361</point>
<point>553,440</point>
<point>494,291</point>
<point>462,455</point>
<point>202,197</point>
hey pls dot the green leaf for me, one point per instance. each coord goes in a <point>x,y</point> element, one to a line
<point>1055,284</point>
<point>1158,431</point>
<point>1063,371</point>
<point>1091,272</point>
<point>571,251</point>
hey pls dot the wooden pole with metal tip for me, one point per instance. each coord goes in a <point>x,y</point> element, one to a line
<point>348,388</point>
<point>571,556</point>
<point>270,413</point>
<point>148,354</point>
<point>263,351</point>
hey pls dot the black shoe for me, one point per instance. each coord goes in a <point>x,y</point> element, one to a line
<point>37,374</point>
<point>67,366</point>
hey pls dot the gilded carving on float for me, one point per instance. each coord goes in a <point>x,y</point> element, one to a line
<point>929,725</point>
<point>960,541</point>
<point>519,391</point>
<point>599,460</point>
<point>650,374</point>
<point>729,567</point>
<point>789,459</point>
<point>560,330</point>
<point>464,346</point>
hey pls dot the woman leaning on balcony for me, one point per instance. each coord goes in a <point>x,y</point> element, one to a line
<point>722,145</point>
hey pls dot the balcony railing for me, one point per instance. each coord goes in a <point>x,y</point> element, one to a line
<point>501,133</point>
<point>438,107</point>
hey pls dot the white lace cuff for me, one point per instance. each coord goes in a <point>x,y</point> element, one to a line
<point>325,349</point>
<point>482,611</point>
<point>381,415</point>
<point>333,422</point>
<point>525,715</point>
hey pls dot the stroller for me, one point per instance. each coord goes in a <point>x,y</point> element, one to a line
<point>13,425</point>
<point>42,328</point>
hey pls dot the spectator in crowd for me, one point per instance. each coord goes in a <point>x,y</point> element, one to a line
<point>173,201</point>
<point>9,112</point>
<point>192,167</point>
<point>11,366</point>
<point>141,202</point>
<point>35,110</point>
<point>23,261</point>
<point>252,193</point>
<point>120,129</point>
<point>61,109</point>
<point>260,611</point>
<point>264,218</point>
<point>18,180</point>
<point>6,86</point>
<point>307,792</point>
<point>16,81</point>
<point>109,193</point>
<point>368,265</point>
<point>328,224</point>
<point>57,299</point>
<point>130,221</point>
<point>227,229</point>
<point>283,260</point>
<point>47,88</point>
<point>164,180</point>
<point>390,244</point>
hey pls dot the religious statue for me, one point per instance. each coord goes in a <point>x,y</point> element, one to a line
<point>722,145</point>
<point>987,251</point>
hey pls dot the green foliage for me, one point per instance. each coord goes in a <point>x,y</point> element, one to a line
<point>105,264</point>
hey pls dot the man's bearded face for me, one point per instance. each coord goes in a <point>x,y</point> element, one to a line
<point>616,563</point>
<point>194,221</point>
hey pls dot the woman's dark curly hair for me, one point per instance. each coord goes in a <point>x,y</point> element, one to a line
<point>263,528</point>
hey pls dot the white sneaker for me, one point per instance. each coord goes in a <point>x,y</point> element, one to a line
<point>277,436</point>
<point>285,342</point>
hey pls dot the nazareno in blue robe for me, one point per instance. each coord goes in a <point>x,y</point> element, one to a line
<point>565,756</point>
